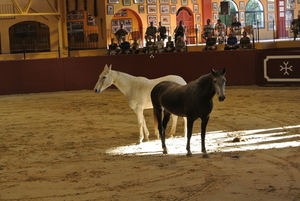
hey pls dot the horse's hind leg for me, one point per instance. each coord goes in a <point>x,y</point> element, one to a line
<point>145,129</point>
<point>142,125</point>
<point>166,119</point>
<point>174,123</point>
<point>161,128</point>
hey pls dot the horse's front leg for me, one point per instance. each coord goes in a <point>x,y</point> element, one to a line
<point>142,125</point>
<point>203,133</point>
<point>190,124</point>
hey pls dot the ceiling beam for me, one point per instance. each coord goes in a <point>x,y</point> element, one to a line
<point>17,6</point>
<point>24,12</point>
<point>52,6</point>
<point>28,14</point>
<point>27,6</point>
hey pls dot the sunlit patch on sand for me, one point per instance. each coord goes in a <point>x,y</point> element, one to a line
<point>219,141</point>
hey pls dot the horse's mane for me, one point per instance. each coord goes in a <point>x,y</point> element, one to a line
<point>128,75</point>
<point>205,84</point>
<point>119,72</point>
<point>204,80</point>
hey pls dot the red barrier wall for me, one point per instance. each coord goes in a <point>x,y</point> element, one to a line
<point>83,72</point>
<point>77,73</point>
<point>31,76</point>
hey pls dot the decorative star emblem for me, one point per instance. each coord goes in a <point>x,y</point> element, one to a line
<point>286,68</point>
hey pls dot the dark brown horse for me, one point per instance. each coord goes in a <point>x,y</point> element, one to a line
<point>194,100</point>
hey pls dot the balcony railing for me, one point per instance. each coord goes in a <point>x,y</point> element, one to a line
<point>87,40</point>
<point>32,42</point>
<point>273,31</point>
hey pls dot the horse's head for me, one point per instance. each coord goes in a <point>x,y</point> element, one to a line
<point>219,81</point>
<point>105,80</point>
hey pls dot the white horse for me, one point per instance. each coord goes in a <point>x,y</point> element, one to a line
<point>137,91</point>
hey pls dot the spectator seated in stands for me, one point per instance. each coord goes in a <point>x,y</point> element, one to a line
<point>245,42</point>
<point>112,48</point>
<point>162,31</point>
<point>210,43</point>
<point>235,27</point>
<point>124,46</point>
<point>151,31</point>
<point>135,47</point>
<point>149,46</point>
<point>179,45</point>
<point>179,31</point>
<point>158,45</point>
<point>208,28</point>
<point>231,42</point>
<point>220,31</point>
<point>121,33</point>
<point>169,45</point>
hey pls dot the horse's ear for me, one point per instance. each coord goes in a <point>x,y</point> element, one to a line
<point>224,71</point>
<point>213,71</point>
<point>107,68</point>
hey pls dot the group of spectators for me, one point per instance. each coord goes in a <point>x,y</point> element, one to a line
<point>160,46</point>
<point>155,41</point>
<point>213,34</point>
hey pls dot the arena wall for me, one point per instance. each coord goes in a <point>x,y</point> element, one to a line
<point>78,73</point>
<point>31,76</point>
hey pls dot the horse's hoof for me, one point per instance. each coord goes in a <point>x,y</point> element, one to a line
<point>138,143</point>
<point>165,152</point>
<point>189,154</point>
<point>205,156</point>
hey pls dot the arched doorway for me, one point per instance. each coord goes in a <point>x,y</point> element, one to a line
<point>132,23</point>
<point>186,15</point>
<point>29,36</point>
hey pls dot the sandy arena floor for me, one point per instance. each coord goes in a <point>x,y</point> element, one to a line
<point>80,145</point>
